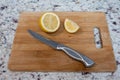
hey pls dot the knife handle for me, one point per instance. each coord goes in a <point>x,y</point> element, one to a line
<point>77,56</point>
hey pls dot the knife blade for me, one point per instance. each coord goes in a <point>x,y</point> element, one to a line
<point>69,51</point>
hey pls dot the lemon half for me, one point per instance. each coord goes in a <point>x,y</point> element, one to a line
<point>71,26</point>
<point>49,22</point>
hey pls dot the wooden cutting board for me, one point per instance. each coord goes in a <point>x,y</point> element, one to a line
<point>29,54</point>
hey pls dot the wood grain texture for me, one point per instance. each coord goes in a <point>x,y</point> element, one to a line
<point>29,54</point>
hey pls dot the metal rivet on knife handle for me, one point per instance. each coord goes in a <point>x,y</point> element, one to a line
<point>97,37</point>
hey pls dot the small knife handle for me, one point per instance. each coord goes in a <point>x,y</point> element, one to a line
<point>77,56</point>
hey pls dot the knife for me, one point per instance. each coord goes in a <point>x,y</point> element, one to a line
<point>69,51</point>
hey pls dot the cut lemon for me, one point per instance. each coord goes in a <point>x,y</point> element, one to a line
<point>71,26</point>
<point>49,22</point>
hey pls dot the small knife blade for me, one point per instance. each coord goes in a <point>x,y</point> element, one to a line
<point>69,51</point>
<point>44,40</point>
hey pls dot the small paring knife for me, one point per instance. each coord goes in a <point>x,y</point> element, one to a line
<point>70,52</point>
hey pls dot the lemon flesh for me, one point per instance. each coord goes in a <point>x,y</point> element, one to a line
<point>49,22</point>
<point>71,26</point>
